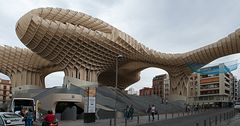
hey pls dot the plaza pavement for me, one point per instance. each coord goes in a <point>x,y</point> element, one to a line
<point>212,118</point>
<point>189,119</point>
<point>233,122</point>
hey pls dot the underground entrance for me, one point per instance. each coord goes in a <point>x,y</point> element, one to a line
<point>69,110</point>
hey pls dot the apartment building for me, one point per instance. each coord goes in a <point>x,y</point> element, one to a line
<point>234,89</point>
<point>146,91</point>
<point>213,86</point>
<point>166,87</point>
<point>238,88</point>
<point>160,87</point>
<point>5,90</point>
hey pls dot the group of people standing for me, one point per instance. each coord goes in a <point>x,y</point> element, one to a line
<point>27,115</point>
<point>128,112</point>
<point>151,111</point>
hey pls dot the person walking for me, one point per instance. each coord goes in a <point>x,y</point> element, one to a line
<point>149,112</point>
<point>131,112</point>
<point>29,118</point>
<point>153,110</point>
<point>126,112</point>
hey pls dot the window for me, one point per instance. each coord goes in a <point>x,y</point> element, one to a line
<point>209,92</point>
<point>226,91</point>
<point>210,86</point>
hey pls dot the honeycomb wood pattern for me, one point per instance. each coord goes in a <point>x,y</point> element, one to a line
<point>86,48</point>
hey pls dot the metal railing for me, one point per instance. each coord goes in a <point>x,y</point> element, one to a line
<point>144,119</point>
<point>216,120</point>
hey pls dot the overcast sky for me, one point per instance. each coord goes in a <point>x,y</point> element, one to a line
<point>174,26</point>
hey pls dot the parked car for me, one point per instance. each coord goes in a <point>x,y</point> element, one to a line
<point>237,105</point>
<point>11,119</point>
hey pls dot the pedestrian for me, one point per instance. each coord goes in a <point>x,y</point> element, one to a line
<point>126,112</point>
<point>50,118</point>
<point>153,111</point>
<point>29,118</point>
<point>149,111</point>
<point>188,108</point>
<point>131,112</point>
<point>22,112</point>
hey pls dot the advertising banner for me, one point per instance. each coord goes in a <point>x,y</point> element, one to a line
<point>90,100</point>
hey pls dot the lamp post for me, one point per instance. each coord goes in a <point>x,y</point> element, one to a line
<point>116,85</point>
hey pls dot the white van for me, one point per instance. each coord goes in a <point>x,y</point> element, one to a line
<point>18,103</point>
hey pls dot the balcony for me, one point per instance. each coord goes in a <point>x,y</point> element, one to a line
<point>209,92</point>
<point>209,80</point>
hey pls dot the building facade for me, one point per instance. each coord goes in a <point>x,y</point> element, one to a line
<point>146,91</point>
<point>5,90</point>
<point>192,90</point>
<point>214,86</point>
<point>131,91</point>
<point>238,83</point>
<point>234,89</point>
<point>166,87</point>
<point>158,85</point>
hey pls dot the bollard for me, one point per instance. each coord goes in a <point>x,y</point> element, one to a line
<point>215,120</point>
<point>110,122</point>
<point>172,115</point>
<point>197,124</point>
<point>220,118</point>
<point>224,116</point>
<point>205,123</point>
<point>125,122</point>
<point>138,119</point>
<point>178,114</point>
<point>210,122</point>
<point>158,116</point>
<point>165,115</point>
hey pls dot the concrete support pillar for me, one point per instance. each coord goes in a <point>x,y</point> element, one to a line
<point>83,74</point>
<point>178,87</point>
<point>93,76</point>
<point>22,80</point>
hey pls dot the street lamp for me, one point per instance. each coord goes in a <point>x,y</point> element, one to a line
<point>116,85</point>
